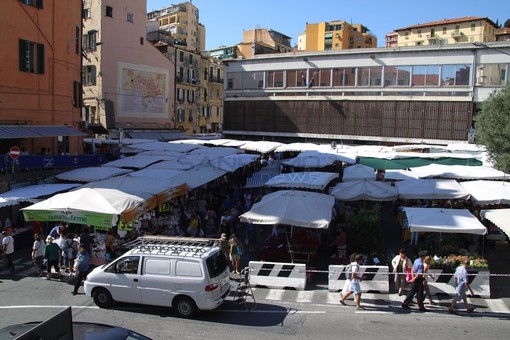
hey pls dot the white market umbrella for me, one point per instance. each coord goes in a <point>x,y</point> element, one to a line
<point>431,189</point>
<point>317,159</point>
<point>364,191</point>
<point>440,220</point>
<point>261,146</point>
<point>292,207</point>
<point>313,180</point>
<point>358,172</point>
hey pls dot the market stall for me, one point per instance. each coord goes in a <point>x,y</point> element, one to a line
<point>431,189</point>
<point>488,192</point>
<point>358,172</point>
<point>459,172</point>
<point>317,159</point>
<point>364,190</point>
<point>313,180</point>
<point>91,174</point>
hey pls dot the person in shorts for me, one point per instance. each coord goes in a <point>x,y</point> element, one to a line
<point>461,283</point>
<point>52,255</point>
<point>356,279</point>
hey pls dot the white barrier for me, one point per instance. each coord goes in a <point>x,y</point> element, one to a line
<point>442,282</point>
<point>278,275</point>
<point>376,278</point>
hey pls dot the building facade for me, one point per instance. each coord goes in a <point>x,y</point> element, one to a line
<point>263,41</point>
<point>127,82</point>
<point>503,34</point>
<point>335,35</point>
<point>182,22</point>
<point>383,95</point>
<point>40,73</point>
<point>211,85</point>
<point>447,31</point>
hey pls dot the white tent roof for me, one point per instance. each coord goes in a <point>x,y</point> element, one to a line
<point>31,192</point>
<point>261,146</point>
<point>91,174</point>
<point>197,176</point>
<point>218,151</point>
<point>188,141</point>
<point>459,172</point>
<point>142,187</point>
<point>488,192</point>
<point>297,147</point>
<point>156,173</point>
<point>437,220</point>
<point>183,163</point>
<point>308,180</point>
<point>219,142</point>
<point>133,162</point>
<point>358,172</point>
<point>432,148</point>
<point>364,190</point>
<point>399,175</point>
<point>231,163</point>
<point>500,217</point>
<point>431,189</point>
<point>236,143</point>
<point>161,146</point>
<point>316,159</point>
<point>166,154</point>
<point>292,207</point>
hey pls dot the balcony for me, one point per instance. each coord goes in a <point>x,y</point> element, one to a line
<point>457,35</point>
<point>433,37</point>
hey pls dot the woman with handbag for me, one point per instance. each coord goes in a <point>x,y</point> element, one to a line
<point>235,252</point>
<point>38,253</point>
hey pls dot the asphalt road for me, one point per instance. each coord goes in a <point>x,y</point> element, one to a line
<point>278,314</point>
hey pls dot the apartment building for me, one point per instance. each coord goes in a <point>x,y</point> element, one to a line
<point>263,41</point>
<point>40,89</point>
<point>127,83</point>
<point>335,35</point>
<point>503,34</point>
<point>448,31</point>
<point>211,85</point>
<point>426,94</point>
<point>182,22</point>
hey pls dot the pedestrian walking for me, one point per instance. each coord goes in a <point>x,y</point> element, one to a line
<point>461,283</point>
<point>8,248</point>
<point>426,287</point>
<point>346,291</point>
<point>81,267</point>
<point>416,283</point>
<point>69,252</point>
<point>400,264</point>
<point>52,255</point>
<point>356,278</point>
<point>38,253</point>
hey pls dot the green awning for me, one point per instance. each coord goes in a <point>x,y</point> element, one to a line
<point>405,163</point>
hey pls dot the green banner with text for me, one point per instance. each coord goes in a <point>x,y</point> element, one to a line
<point>103,221</point>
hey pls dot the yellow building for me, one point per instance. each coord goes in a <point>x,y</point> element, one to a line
<point>182,21</point>
<point>447,31</point>
<point>263,41</point>
<point>211,86</point>
<point>335,35</point>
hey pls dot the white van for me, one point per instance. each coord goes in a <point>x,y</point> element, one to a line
<point>184,273</point>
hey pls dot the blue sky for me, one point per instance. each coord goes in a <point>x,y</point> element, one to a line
<point>225,20</point>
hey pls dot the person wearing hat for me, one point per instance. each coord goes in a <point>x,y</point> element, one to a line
<point>52,255</point>
<point>416,283</point>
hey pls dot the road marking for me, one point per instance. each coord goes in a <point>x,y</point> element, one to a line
<point>286,311</point>
<point>46,306</point>
<point>497,306</point>
<point>333,298</point>
<point>275,294</point>
<point>305,296</point>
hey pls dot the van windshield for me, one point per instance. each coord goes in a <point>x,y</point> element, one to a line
<point>216,264</point>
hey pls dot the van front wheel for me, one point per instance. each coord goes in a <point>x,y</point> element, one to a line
<point>185,307</point>
<point>103,298</point>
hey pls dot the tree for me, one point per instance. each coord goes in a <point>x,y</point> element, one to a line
<point>507,23</point>
<point>493,127</point>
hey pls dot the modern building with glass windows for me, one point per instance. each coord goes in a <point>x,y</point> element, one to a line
<point>426,94</point>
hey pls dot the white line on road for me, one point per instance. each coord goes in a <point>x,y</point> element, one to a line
<point>497,306</point>
<point>305,296</point>
<point>275,294</point>
<point>333,298</point>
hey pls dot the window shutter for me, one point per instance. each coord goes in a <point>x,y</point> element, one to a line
<point>40,58</point>
<point>22,55</point>
<point>85,42</point>
<point>39,4</point>
<point>93,74</point>
<point>83,75</point>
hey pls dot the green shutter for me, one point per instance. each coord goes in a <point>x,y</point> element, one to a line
<point>39,4</point>
<point>93,74</point>
<point>22,55</point>
<point>83,71</point>
<point>40,58</point>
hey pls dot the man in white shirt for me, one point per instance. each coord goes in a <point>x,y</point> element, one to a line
<point>8,247</point>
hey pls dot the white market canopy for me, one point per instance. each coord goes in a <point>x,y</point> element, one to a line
<point>437,220</point>
<point>261,146</point>
<point>488,192</point>
<point>183,163</point>
<point>459,172</point>
<point>500,217</point>
<point>364,190</point>
<point>399,175</point>
<point>142,187</point>
<point>31,193</point>
<point>316,159</point>
<point>161,146</point>
<point>91,174</point>
<point>197,176</point>
<point>314,180</point>
<point>431,189</point>
<point>297,147</point>
<point>231,163</point>
<point>216,151</point>
<point>98,207</point>
<point>160,174</point>
<point>292,207</point>
<point>133,162</point>
<point>358,172</point>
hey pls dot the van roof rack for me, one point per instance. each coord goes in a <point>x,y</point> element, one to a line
<point>187,246</point>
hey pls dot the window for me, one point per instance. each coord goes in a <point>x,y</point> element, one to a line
<point>433,31</point>
<point>180,95</point>
<point>344,76</point>
<point>254,80</point>
<point>473,26</point>
<point>397,75</point>
<point>180,75</point>
<point>205,95</point>
<point>216,264</point>
<point>77,40</point>
<point>218,75</point>
<point>181,56</point>
<point>218,111</point>
<point>493,74</point>
<point>188,268</point>
<point>77,94</point>
<point>205,73</point>
<point>126,265</point>
<point>34,3</point>
<point>191,96</point>
<point>180,115</point>
<point>31,57</point>
<point>89,75</point>
<point>109,11</point>
<point>406,35</point>
<point>235,80</point>
<point>455,75</point>
<point>157,266</point>
<point>457,29</point>
<point>191,59</point>
<point>89,41</point>
<point>274,79</point>
<point>130,17</point>
<point>419,33</point>
<point>190,115</point>
<point>86,13</point>
<point>445,29</point>
<point>141,40</point>
<point>425,75</point>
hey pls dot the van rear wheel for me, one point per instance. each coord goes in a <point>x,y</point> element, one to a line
<point>103,298</point>
<point>185,307</point>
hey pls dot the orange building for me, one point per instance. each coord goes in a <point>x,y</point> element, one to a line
<point>40,73</point>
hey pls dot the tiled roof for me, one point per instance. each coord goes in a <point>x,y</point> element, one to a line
<point>446,22</point>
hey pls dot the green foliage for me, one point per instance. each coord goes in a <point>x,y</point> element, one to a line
<point>507,23</point>
<point>363,231</point>
<point>493,127</point>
